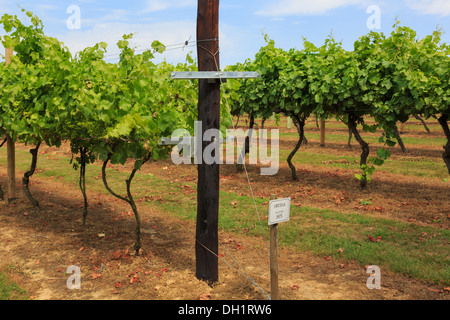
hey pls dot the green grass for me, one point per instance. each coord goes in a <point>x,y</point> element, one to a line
<point>411,126</point>
<point>324,232</point>
<point>343,138</point>
<point>10,290</point>
<point>402,247</point>
<point>407,166</point>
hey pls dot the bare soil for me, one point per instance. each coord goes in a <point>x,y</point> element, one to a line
<point>38,246</point>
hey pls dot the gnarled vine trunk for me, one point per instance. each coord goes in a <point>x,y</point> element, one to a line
<point>246,147</point>
<point>128,199</point>
<point>300,125</point>
<point>364,146</point>
<point>83,183</point>
<point>350,135</point>
<point>443,120</point>
<point>2,193</point>
<point>399,139</point>
<point>423,123</point>
<point>28,174</point>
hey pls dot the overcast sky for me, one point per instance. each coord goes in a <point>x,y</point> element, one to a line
<point>242,22</point>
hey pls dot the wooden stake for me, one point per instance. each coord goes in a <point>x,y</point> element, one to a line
<point>11,149</point>
<point>274,286</point>
<point>322,132</point>
<point>207,242</point>
<point>289,123</point>
<point>8,54</point>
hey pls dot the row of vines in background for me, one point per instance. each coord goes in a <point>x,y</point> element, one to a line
<point>111,112</point>
<point>386,78</point>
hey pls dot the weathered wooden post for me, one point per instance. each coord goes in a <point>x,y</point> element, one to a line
<point>322,132</point>
<point>274,286</point>
<point>279,212</point>
<point>207,244</point>
<point>209,80</point>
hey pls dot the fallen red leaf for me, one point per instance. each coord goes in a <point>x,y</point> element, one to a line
<point>117,254</point>
<point>373,239</point>
<point>205,296</point>
<point>96,275</point>
<point>118,285</point>
<point>134,279</point>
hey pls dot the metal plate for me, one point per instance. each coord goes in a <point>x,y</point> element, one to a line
<point>214,75</point>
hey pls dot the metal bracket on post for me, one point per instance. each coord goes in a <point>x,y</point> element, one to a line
<point>214,76</point>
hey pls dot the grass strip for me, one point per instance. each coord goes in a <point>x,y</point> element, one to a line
<point>9,290</point>
<point>405,248</point>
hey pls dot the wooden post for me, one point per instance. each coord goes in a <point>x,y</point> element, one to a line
<point>274,287</point>
<point>11,151</point>
<point>322,132</point>
<point>207,242</point>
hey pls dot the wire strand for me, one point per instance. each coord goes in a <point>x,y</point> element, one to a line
<point>175,46</point>
<point>245,274</point>
<point>244,165</point>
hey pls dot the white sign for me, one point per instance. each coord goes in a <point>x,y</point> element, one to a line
<point>279,210</point>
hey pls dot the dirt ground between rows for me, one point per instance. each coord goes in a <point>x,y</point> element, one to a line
<point>38,247</point>
<point>41,246</point>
